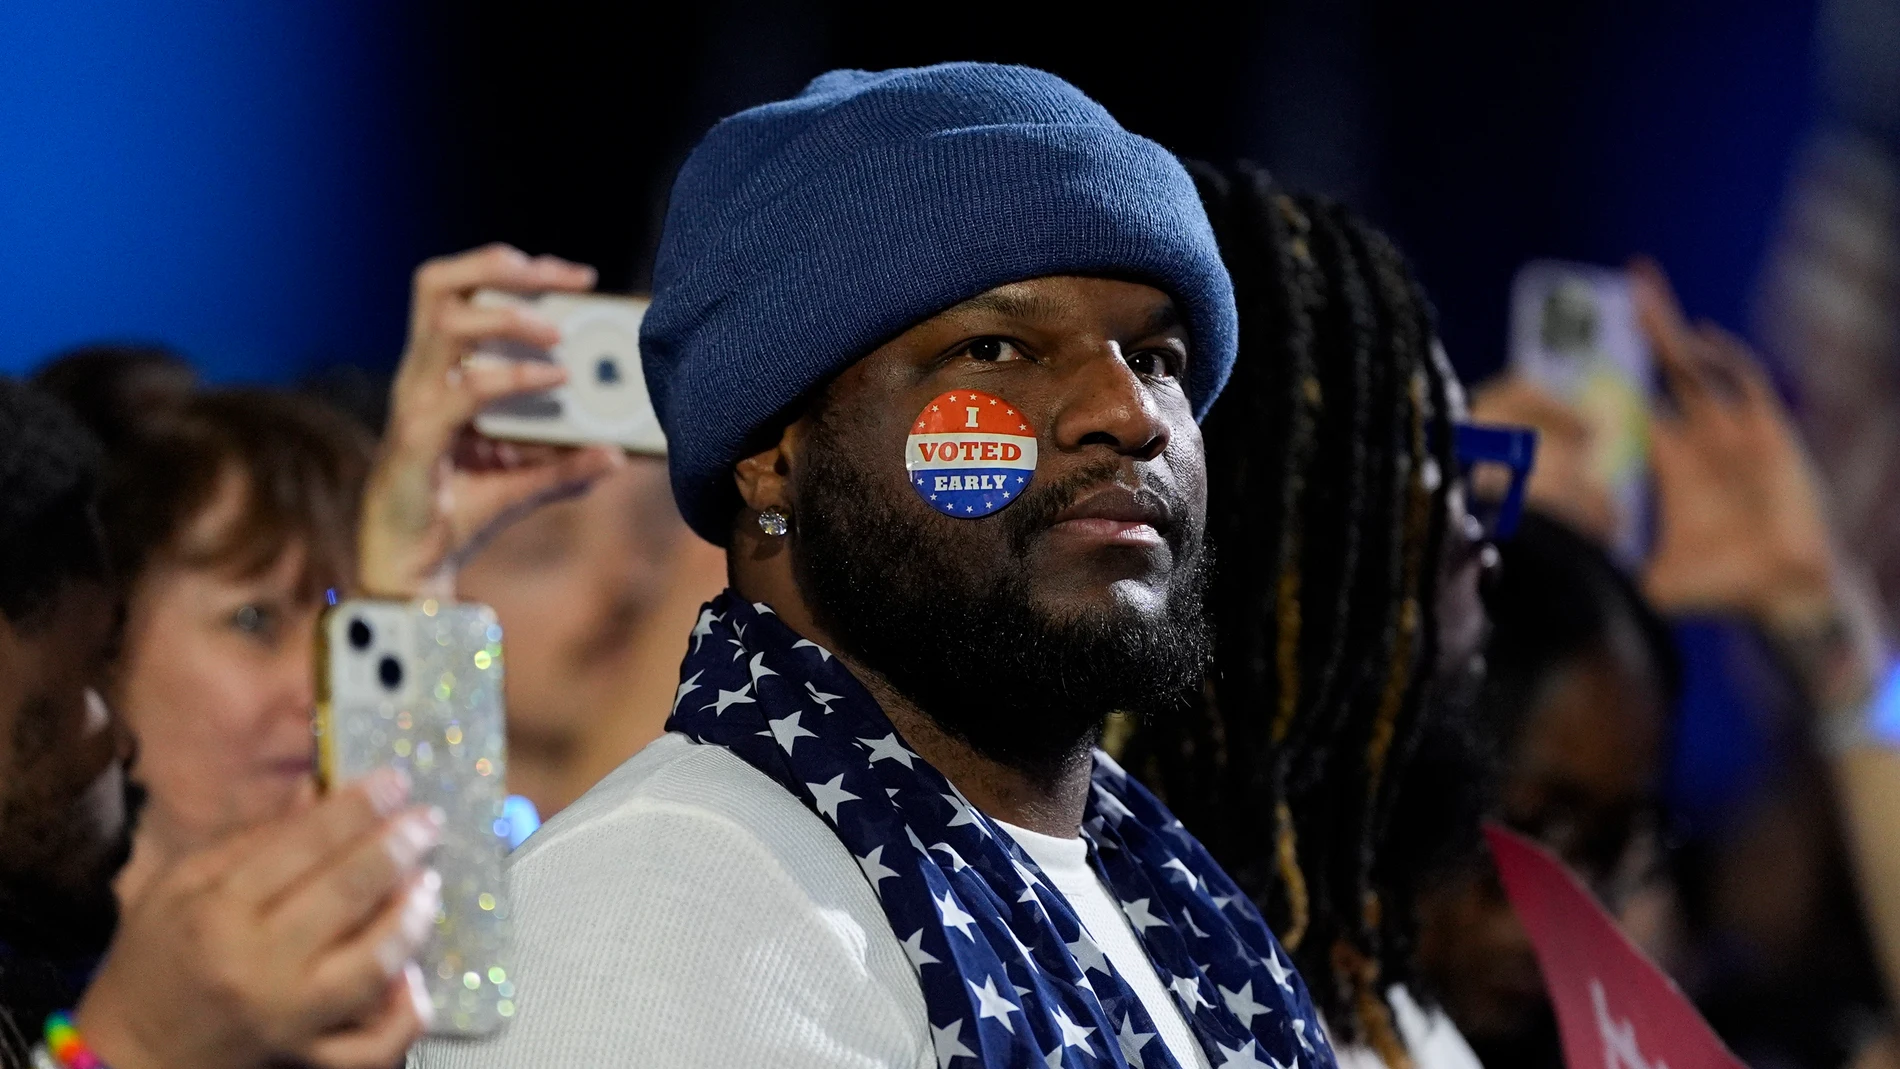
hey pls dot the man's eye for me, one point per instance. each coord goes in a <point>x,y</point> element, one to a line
<point>992,350</point>
<point>1154,363</point>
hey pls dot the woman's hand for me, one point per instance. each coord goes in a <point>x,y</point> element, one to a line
<point>290,943</point>
<point>1564,482</point>
<point>438,488</point>
<point>1740,522</point>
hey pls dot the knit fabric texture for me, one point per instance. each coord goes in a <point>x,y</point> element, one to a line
<point>804,233</point>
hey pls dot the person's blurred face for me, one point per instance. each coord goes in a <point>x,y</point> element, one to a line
<point>1581,780</point>
<point>572,583</point>
<point>217,682</point>
<point>1018,631</point>
<point>64,823</point>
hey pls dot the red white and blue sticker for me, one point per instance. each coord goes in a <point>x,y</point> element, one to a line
<point>970,453</point>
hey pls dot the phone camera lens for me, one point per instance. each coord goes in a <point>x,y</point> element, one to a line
<point>389,670</point>
<point>360,634</point>
<point>607,371</point>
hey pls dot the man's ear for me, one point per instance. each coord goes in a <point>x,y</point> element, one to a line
<point>764,479</point>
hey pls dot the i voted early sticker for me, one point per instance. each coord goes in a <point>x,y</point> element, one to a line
<point>970,453</point>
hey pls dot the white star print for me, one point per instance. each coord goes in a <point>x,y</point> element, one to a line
<point>739,648</point>
<point>992,1004</point>
<point>787,732</point>
<point>1176,863</point>
<point>1112,807</point>
<point>957,864</point>
<point>1139,916</point>
<point>1027,874</point>
<point>914,949</point>
<point>1193,927</point>
<point>1053,1059</point>
<point>1073,1035</point>
<point>687,686</point>
<point>823,653</point>
<point>1276,1063</point>
<point>1278,968</point>
<point>1132,1041</point>
<point>1223,901</point>
<point>758,669</point>
<point>703,627</point>
<point>728,698</point>
<point>889,748</point>
<point>876,871</point>
<point>1088,956</point>
<point>828,796</point>
<point>949,1043</point>
<point>1246,1057</point>
<point>1188,990</point>
<point>953,915</point>
<point>965,814</point>
<point>1241,1004</point>
<point>824,700</point>
<point>1299,1031</point>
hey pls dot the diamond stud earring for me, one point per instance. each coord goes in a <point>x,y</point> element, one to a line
<point>774,522</point>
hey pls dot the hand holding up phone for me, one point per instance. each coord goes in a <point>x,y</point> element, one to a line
<point>289,943</point>
<point>1740,525</point>
<point>438,487</point>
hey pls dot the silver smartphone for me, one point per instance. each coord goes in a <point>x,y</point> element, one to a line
<point>605,397</point>
<point>418,685</point>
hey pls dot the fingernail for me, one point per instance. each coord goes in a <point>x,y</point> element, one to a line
<point>419,994</point>
<point>418,914</point>
<point>388,789</point>
<point>413,836</point>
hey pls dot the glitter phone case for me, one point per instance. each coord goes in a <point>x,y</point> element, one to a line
<point>418,685</point>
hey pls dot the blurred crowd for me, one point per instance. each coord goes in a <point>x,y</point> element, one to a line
<point>1393,658</point>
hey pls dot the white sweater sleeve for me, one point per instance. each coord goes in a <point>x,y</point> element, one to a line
<point>664,935</point>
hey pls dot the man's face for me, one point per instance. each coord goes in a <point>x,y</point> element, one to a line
<point>64,825</point>
<point>1019,630</point>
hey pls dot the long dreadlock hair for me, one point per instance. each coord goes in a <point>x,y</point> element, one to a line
<point>1329,459</point>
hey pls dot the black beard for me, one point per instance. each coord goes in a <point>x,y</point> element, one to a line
<point>965,643</point>
<point>54,930</point>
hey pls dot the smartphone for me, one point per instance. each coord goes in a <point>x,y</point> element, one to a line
<point>418,685</point>
<point>604,400</point>
<point>1574,333</point>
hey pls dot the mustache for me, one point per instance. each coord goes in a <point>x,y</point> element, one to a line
<point>1036,511</point>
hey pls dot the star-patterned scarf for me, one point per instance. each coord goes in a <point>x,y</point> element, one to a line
<point>1010,978</point>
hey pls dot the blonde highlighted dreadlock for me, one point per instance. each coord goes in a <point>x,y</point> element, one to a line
<point>1328,463</point>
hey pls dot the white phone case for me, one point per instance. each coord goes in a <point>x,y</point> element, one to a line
<point>1574,333</point>
<point>417,685</point>
<point>605,397</point>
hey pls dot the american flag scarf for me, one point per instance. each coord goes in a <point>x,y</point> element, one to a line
<point>1010,978</point>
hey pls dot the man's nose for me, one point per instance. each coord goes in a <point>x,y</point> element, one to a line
<point>1108,404</point>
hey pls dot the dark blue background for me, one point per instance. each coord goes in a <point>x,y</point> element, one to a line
<point>253,183</point>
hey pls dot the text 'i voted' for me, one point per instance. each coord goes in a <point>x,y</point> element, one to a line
<point>970,453</point>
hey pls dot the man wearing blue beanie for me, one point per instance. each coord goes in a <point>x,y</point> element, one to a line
<point>929,347</point>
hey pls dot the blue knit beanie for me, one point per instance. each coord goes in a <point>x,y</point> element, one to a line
<point>805,233</point>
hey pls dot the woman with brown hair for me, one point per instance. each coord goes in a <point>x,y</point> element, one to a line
<point>229,514</point>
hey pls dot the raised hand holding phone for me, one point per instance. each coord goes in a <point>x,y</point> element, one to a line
<point>287,944</point>
<point>438,487</point>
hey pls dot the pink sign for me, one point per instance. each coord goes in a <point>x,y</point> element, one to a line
<point>1615,1008</point>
